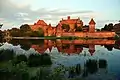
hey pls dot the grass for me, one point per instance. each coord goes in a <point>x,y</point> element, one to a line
<point>63,37</point>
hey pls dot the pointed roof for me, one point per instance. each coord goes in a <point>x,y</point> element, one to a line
<point>50,48</point>
<point>91,52</point>
<point>92,21</point>
<point>41,22</point>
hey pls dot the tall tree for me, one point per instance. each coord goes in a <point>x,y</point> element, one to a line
<point>25,30</point>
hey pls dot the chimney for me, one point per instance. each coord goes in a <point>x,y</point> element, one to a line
<point>68,17</point>
<point>49,24</point>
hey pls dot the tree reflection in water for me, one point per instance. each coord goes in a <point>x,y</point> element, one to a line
<point>109,47</point>
<point>91,66</point>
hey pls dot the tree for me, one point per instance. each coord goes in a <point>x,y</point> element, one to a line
<point>66,27</point>
<point>108,27</point>
<point>78,29</point>
<point>38,33</point>
<point>105,27</point>
<point>97,29</point>
<point>117,28</point>
<point>25,30</point>
<point>15,32</point>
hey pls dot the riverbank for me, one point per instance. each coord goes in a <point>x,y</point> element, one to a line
<point>64,37</point>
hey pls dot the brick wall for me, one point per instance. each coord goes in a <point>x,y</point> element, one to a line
<point>91,35</point>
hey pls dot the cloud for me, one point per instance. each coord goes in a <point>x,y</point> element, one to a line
<point>13,15</point>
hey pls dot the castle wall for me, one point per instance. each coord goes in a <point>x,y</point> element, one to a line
<point>90,35</point>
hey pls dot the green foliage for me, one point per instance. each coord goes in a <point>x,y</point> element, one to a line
<point>91,66</point>
<point>68,37</point>
<point>102,63</point>
<point>25,44</point>
<point>26,31</point>
<point>17,72</point>
<point>15,32</point>
<point>38,33</point>
<point>78,29</point>
<point>66,27</point>
<point>117,28</point>
<point>41,74</point>
<point>34,60</point>
<point>116,37</point>
<point>20,58</point>
<point>97,29</point>
<point>25,28</point>
<point>108,27</point>
<point>6,55</point>
<point>45,59</point>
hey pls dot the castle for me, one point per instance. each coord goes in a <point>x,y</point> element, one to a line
<point>71,27</point>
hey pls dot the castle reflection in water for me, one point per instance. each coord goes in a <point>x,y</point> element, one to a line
<point>73,46</point>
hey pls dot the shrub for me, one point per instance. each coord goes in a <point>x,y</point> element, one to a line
<point>102,63</point>
<point>45,59</point>
<point>20,58</point>
<point>91,66</point>
<point>6,55</point>
<point>34,60</point>
<point>16,72</point>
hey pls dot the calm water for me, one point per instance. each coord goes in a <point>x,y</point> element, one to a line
<point>96,59</point>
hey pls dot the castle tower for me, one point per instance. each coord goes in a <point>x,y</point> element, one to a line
<point>68,17</point>
<point>91,49</point>
<point>50,30</point>
<point>92,26</point>
<point>59,30</point>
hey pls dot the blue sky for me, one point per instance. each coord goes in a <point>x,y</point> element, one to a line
<point>29,11</point>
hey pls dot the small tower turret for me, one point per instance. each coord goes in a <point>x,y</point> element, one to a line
<point>92,26</point>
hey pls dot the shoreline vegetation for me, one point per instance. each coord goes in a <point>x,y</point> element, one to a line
<point>64,37</point>
<point>19,67</point>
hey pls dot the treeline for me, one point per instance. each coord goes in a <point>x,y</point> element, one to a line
<point>111,27</point>
<point>26,31</point>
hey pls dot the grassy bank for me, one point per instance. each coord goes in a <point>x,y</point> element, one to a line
<point>63,37</point>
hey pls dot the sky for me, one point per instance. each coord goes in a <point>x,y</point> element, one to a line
<point>14,13</point>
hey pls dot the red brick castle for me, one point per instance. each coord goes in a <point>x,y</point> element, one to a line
<point>68,27</point>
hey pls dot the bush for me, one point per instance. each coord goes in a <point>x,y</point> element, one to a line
<point>16,72</point>
<point>102,63</point>
<point>6,55</point>
<point>117,37</point>
<point>91,66</point>
<point>45,59</point>
<point>20,58</point>
<point>34,60</point>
